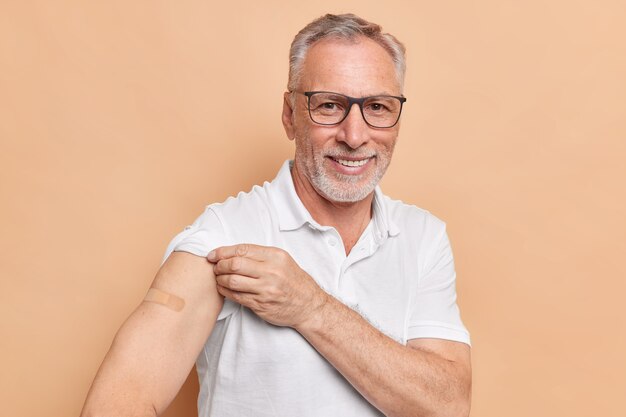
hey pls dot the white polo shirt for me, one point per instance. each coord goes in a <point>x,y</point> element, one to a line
<point>400,276</point>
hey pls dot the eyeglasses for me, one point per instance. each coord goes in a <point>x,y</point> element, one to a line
<point>327,108</point>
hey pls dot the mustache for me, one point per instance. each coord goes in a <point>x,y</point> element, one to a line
<point>343,151</point>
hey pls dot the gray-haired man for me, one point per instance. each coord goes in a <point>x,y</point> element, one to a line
<point>315,294</point>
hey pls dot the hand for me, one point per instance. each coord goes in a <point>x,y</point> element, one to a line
<point>269,282</point>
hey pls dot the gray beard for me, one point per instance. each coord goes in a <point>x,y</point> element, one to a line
<point>348,194</point>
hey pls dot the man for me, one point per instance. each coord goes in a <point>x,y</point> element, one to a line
<point>314,295</point>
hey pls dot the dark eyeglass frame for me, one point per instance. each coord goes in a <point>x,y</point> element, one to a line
<point>352,101</point>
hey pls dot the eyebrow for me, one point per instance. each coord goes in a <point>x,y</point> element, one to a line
<point>360,96</point>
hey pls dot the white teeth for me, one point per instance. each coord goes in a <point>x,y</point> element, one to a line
<point>352,163</point>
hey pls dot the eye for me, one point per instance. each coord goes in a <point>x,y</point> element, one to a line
<point>327,106</point>
<point>377,107</point>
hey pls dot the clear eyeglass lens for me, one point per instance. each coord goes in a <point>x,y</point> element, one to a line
<point>328,108</point>
<point>381,111</point>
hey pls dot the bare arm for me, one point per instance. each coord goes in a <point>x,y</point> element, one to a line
<point>429,377</point>
<point>156,347</point>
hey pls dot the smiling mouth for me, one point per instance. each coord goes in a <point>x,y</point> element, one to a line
<point>350,162</point>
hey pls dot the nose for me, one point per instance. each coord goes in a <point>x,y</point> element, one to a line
<point>353,131</point>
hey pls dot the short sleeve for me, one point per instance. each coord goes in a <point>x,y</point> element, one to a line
<point>199,238</point>
<point>435,313</point>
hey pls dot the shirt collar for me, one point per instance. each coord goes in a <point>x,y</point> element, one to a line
<point>384,225</point>
<point>290,211</point>
<point>292,214</point>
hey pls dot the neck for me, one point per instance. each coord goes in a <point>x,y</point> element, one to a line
<point>348,218</point>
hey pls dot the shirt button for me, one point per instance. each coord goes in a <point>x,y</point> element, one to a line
<point>332,241</point>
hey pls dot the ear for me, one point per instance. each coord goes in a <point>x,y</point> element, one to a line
<point>288,116</point>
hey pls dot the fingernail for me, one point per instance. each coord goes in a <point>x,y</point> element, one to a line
<point>211,256</point>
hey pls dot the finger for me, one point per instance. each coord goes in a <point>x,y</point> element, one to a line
<point>238,265</point>
<point>248,250</point>
<point>238,283</point>
<point>245,299</point>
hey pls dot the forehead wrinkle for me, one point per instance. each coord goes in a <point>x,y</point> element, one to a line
<point>361,68</point>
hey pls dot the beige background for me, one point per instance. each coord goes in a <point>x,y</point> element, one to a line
<point>120,120</point>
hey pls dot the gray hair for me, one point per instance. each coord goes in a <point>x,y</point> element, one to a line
<point>347,27</point>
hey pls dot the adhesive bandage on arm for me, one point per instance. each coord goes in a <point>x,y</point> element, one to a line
<point>170,301</point>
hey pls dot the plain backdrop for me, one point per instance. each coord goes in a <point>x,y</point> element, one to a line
<point>121,120</point>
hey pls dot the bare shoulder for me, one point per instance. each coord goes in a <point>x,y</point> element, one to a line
<point>182,270</point>
<point>188,278</point>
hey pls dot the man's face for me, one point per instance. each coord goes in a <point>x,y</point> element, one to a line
<point>344,162</point>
